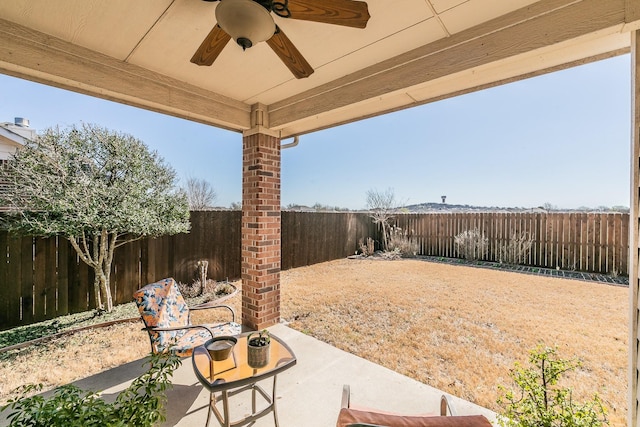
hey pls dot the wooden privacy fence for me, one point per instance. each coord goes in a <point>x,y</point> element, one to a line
<point>589,242</point>
<point>43,278</point>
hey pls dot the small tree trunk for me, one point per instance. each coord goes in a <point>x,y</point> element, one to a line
<point>384,236</point>
<point>104,301</point>
<point>96,290</point>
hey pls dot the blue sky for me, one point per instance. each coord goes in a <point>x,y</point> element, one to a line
<point>562,138</point>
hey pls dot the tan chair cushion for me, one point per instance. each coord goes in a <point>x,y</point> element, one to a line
<point>350,416</point>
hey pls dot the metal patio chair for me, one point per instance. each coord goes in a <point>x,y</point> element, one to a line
<point>351,416</point>
<point>166,316</point>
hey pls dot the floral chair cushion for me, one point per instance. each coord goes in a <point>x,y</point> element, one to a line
<point>161,305</point>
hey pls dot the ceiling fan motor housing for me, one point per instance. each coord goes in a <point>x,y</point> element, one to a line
<point>246,21</point>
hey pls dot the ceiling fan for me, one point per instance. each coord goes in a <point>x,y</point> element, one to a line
<point>250,21</point>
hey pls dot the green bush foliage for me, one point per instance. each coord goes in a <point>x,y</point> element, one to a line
<point>139,405</point>
<point>539,400</point>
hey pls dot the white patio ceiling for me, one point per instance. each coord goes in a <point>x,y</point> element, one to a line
<point>411,52</point>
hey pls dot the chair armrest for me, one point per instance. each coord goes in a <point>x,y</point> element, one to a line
<point>445,407</point>
<point>178,328</point>
<point>346,396</point>
<point>206,307</point>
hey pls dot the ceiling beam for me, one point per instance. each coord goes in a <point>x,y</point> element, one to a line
<point>632,14</point>
<point>38,57</point>
<point>540,25</point>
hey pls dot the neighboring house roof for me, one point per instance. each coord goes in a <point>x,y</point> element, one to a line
<point>15,135</point>
<point>12,137</point>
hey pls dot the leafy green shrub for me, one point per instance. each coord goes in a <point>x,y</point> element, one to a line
<point>540,402</point>
<point>402,242</point>
<point>140,405</point>
<point>471,244</point>
<point>517,249</point>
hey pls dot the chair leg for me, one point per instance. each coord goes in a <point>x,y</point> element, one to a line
<point>273,398</point>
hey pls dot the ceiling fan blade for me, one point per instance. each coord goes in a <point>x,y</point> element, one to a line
<point>211,46</point>
<point>349,13</point>
<point>290,55</point>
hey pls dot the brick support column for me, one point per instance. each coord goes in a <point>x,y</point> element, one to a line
<point>260,230</point>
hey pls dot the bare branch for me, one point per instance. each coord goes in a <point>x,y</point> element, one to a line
<point>200,194</point>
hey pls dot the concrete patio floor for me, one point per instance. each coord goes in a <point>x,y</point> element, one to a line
<point>308,394</point>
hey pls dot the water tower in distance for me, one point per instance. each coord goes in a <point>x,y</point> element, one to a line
<point>444,198</point>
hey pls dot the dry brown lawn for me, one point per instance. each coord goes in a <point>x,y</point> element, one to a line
<point>459,329</point>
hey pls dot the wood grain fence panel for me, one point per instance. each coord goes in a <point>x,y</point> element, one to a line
<point>445,233</point>
<point>86,288</point>
<point>581,241</point>
<point>566,241</point>
<point>39,275</point>
<point>434,224</point>
<point>560,241</point>
<point>161,255</point>
<point>598,242</point>
<point>14,280</point>
<point>621,242</point>
<point>63,276</point>
<point>535,247</point>
<point>451,222</point>
<point>291,249</point>
<point>50,279</point>
<point>348,242</point>
<point>584,242</point>
<point>530,234</point>
<point>593,240</point>
<point>543,241</point>
<point>26,284</point>
<point>147,261</point>
<point>46,278</point>
<point>610,244</point>
<point>73,279</point>
<point>556,241</point>
<point>440,234</point>
<point>486,229</point>
<point>127,272</point>
<point>234,244</point>
<point>552,224</point>
<point>74,286</point>
<point>590,242</point>
<point>5,286</point>
<point>503,229</point>
<point>623,247</point>
<point>429,229</point>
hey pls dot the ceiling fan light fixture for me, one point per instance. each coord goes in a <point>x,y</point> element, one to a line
<point>246,21</point>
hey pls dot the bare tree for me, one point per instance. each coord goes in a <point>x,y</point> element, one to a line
<point>382,205</point>
<point>200,194</point>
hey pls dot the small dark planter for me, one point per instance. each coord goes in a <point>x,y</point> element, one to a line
<point>258,348</point>
<point>220,347</point>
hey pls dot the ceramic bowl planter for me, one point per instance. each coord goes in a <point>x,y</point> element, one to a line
<point>220,347</point>
<point>258,347</point>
